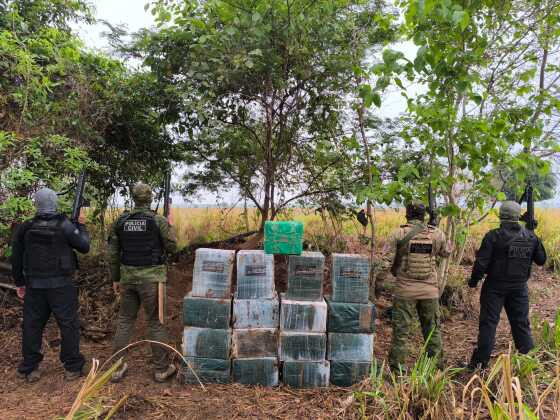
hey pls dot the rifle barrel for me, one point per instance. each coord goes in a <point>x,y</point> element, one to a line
<point>78,200</point>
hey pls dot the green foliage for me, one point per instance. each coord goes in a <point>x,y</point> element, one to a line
<point>261,91</point>
<point>64,109</point>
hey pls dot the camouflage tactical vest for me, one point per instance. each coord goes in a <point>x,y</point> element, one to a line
<point>420,260</point>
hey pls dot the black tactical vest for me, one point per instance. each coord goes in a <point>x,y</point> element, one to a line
<point>47,252</point>
<point>141,244</point>
<point>513,257</point>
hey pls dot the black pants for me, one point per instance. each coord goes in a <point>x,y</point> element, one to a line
<point>37,308</point>
<point>516,304</point>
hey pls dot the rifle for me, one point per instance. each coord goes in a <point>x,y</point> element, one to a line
<point>529,216</point>
<point>162,292</point>
<point>432,211</point>
<point>79,201</point>
<point>166,192</point>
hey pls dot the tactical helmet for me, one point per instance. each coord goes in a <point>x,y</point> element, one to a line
<point>415,210</point>
<point>46,201</point>
<point>142,194</point>
<point>510,211</point>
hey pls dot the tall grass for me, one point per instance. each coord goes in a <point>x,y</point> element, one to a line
<point>517,387</point>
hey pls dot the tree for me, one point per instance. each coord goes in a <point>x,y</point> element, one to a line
<point>261,87</point>
<point>59,100</point>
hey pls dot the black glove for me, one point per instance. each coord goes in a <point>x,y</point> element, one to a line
<point>525,218</point>
<point>473,283</point>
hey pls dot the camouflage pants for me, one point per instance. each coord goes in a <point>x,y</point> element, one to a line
<point>404,314</point>
<point>132,296</point>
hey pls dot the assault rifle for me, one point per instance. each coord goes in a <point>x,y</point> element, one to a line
<point>162,292</point>
<point>432,211</point>
<point>529,216</point>
<point>166,192</point>
<point>79,200</point>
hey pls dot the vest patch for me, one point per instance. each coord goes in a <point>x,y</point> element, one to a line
<point>135,225</point>
<point>420,248</point>
<point>520,252</point>
<point>213,266</point>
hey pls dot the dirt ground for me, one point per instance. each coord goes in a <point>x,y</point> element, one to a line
<point>52,397</point>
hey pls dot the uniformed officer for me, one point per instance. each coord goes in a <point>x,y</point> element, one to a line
<point>138,243</point>
<point>43,266</point>
<point>413,248</point>
<point>505,257</point>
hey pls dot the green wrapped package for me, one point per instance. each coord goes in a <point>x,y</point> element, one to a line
<point>351,317</point>
<point>255,275</point>
<point>262,371</point>
<point>209,371</point>
<point>347,373</point>
<point>306,374</point>
<point>305,276</point>
<point>303,315</point>
<point>295,346</point>
<point>212,273</point>
<point>206,312</point>
<point>283,238</point>
<point>256,313</point>
<point>254,343</point>
<point>207,343</point>
<point>350,347</point>
<point>350,278</point>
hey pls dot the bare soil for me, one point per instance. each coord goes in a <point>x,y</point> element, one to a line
<point>52,397</point>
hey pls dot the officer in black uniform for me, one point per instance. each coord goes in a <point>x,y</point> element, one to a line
<point>505,257</point>
<point>43,266</point>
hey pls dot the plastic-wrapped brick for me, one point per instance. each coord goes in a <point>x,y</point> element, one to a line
<point>255,275</point>
<point>208,371</point>
<point>255,343</point>
<point>206,312</point>
<point>302,315</point>
<point>213,269</point>
<point>206,342</point>
<point>350,347</point>
<point>349,373</point>
<point>350,278</point>
<point>296,346</point>
<point>283,237</point>
<point>351,317</point>
<point>256,313</point>
<point>306,374</point>
<point>305,276</point>
<point>262,371</point>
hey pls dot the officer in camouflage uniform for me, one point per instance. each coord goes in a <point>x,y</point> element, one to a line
<point>414,248</point>
<point>505,257</point>
<point>138,243</point>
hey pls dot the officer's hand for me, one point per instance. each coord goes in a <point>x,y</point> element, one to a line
<point>20,292</point>
<point>82,219</point>
<point>116,287</point>
<point>473,283</point>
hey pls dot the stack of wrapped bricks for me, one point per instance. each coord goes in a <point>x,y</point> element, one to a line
<point>351,320</point>
<point>303,323</point>
<point>207,335</point>
<point>255,321</point>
